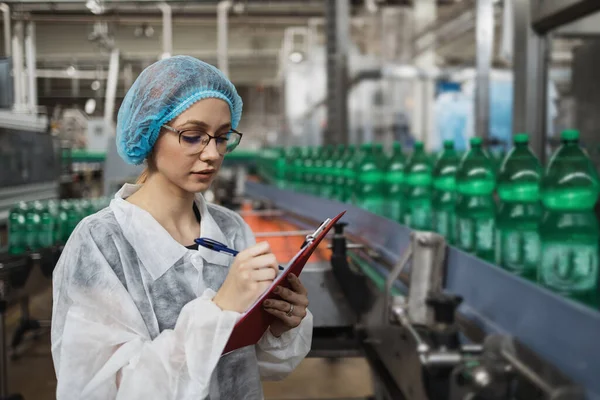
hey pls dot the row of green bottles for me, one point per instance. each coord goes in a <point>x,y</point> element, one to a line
<point>544,228</point>
<point>569,232</point>
<point>37,225</point>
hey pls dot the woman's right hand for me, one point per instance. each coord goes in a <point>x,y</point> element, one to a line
<point>250,274</point>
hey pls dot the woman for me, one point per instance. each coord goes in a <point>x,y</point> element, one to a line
<point>139,312</point>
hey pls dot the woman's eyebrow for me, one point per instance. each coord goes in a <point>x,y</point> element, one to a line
<point>201,124</point>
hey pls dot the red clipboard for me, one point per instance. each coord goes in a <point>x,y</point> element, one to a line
<point>254,323</point>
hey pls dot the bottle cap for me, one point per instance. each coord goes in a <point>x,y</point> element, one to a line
<point>475,141</point>
<point>570,134</point>
<point>449,144</point>
<point>521,138</point>
<point>418,145</point>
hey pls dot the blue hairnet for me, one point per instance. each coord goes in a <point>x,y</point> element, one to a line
<point>162,92</point>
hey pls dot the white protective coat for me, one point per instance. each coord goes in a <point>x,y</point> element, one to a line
<point>133,316</point>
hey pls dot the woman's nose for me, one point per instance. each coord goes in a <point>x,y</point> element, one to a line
<point>210,152</point>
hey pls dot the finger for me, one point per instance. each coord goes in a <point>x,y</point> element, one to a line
<point>291,297</point>
<point>264,261</point>
<point>296,284</point>
<point>255,250</point>
<point>292,321</point>
<point>278,305</point>
<point>263,274</point>
<point>284,306</point>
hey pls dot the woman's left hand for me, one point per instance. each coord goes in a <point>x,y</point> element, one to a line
<point>291,309</point>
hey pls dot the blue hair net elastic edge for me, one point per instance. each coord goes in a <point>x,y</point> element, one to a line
<point>187,103</point>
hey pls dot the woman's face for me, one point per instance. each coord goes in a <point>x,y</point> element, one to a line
<point>193,172</point>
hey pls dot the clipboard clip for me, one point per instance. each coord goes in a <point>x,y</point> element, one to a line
<point>312,236</point>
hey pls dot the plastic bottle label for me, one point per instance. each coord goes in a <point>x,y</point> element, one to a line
<point>476,235</point>
<point>420,216</point>
<point>569,268</point>
<point>518,251</point>
<point>484,232</point>
<point>465,234</point>
<point>372,205</point>
<point>443,223</point>
<point>393,210</point>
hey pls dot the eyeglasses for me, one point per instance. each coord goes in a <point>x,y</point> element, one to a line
<point>194,141</point>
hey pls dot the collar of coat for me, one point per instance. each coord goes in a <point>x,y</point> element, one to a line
<point>155,247</point>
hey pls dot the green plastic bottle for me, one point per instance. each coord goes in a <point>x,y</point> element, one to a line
<point>475,205</point>
<point>394,184</point>
<point>62,222</point>
<point>369,179</point>
<point>290,173</point>
<point>341,189</point>
<point>46,236</point>
<point>417,189</point>
<point>280,167</point>
<point>17,229</point>
<point>569,231</point>
<point>329,171</point>
<point>444,192</point>
<point>32,226</point>
<point>73,217</point>
<point>321,170</point>
<point>520,211</point>
<point>309,171</point>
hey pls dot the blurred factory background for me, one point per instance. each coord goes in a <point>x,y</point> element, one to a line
<point>317,78</point>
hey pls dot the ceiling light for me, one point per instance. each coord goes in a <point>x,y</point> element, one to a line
<point>94,6</point>
<point>71,70</point>
<point>90,106</point>
<point>95,85</point>
<point>239,8</point>
<point>296,57</point>
<point>149,31</point>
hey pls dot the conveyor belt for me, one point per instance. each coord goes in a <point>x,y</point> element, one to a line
<point>561,331</point>
<point>284,247</point>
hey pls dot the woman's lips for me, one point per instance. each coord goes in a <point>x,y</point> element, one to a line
<point>203,175</point>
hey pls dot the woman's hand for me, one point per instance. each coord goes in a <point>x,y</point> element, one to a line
<point>291,310</point>
<point>250,274</point>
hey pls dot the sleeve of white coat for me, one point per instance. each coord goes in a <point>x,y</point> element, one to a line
<point>100,344</point>
<point>279,356</point>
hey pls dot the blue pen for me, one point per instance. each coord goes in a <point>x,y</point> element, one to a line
<point>219,247</point>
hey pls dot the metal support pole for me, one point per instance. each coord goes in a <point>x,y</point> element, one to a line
<point>422,122</point>
<point>530,79</point>
<point>167,27</point>
<point>30,52</point>
<point>484,37</point>
<point>337,14</point>
<point>7,35</point>
<point>222,35</point>
<point>537,99</point>
<point>111,87</point>
<point>75,87</point>
<point>17,53</point>
<point>522,25</point>
<point>127,77</point>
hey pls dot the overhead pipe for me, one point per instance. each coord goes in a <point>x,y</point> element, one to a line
<point>17,57</point>
<point>222,35</point>
<point>5,9</point>
<point>111,87</point>
<point>30,53</point>
<point>167,27</point>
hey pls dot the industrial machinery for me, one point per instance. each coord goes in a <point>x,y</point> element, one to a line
<point>435,322</point>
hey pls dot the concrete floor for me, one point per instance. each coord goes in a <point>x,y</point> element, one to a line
<point>32,374</point>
